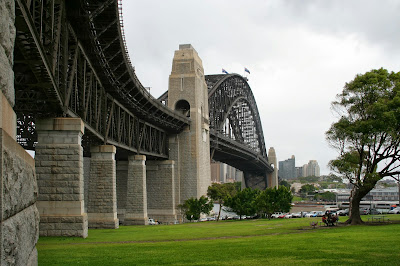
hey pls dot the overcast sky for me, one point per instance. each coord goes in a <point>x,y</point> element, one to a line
<point>300,55</point>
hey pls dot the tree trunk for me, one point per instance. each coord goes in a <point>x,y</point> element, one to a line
<point>354,216</point>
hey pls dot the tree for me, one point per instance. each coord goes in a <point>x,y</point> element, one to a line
<point>274,200</point>
<point>221,192</point>
<point>367,135</point>
<point>284,183</point>
<point>193,207</point>
<point>326,196</point>
<point>243,202</point>
<point>307,189</point>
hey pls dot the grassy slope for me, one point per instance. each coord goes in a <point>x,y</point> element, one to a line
<point>252,242</point>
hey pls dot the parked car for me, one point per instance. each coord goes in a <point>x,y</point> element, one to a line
<point>311,214</point>
<point>374,212</point>
<point>395,211</point>
<point>364,211</point>
<point>296,215</point>
<point>288,216</point>
<point>282,215</point>
<point>276,215</point>
<point>304,214</point>
<point>320,213</point>
<point>343,212</point>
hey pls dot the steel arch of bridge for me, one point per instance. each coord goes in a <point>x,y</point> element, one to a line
<point>236,135</point>
<point>235,125</point>
<point>70,59</point>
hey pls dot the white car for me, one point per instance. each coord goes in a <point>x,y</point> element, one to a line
<point>289,215</point>
<point>276,215</point>
<point>395,211</point>
<point>296,215</point>
<point>311,214</point>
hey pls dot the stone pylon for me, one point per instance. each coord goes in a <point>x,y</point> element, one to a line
<point>272,177</point>
<point>191,148</point>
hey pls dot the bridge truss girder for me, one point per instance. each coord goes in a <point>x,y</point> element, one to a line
<point>234,119</point>
<point>54,76</point>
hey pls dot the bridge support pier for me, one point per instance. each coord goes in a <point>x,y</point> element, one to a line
<point>273,177</point>
<point>59,170</point>
<point>102,205</point>
<point>160,183</point>
<point>122,179</point>
<point>255,181</point>
<point>136,196</point>
<point>188,93</point>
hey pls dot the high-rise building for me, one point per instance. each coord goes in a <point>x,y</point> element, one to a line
<point>223,173</point>
<point>287,168</point>
<point>313,168</point>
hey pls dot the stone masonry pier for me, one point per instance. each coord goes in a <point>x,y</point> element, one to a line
<point>102,205</point>
<point>59,169</point>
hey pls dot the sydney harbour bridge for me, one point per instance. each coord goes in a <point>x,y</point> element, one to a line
<point>106,150</point>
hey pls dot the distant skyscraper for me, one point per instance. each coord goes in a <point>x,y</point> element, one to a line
<point>287,168</point>
<point>223,173</point>
<point>313,168</point>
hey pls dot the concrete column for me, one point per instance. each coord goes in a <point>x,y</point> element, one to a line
<point>122,179</point>
<point>161,191</point>
<point>59,170</point>
<point>102,205</point>
<point>273,177</point>
<point>136,196</point>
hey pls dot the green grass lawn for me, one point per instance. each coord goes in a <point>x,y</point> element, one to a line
<point>251,242</point>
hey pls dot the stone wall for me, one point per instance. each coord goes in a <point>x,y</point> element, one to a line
<point>7,36</point>
<point>19,229</point>
<point>19,215</point>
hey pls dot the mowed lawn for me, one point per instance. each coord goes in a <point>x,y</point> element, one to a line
<point>249,242</point>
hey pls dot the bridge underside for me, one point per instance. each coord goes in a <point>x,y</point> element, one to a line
<point>254,167</point>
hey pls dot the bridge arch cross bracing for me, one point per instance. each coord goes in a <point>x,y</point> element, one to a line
<point>236,134</point>
<point>234,112</point>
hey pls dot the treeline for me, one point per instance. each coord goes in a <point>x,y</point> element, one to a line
<point>246,201</point>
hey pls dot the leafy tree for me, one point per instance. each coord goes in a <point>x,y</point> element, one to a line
<point>307,189</point>
<point>221,192</point>
<point>367,135</point>
<point>274,200</point>
<point>326,196</point>
<point>284,183</point>
<point>193,207</point>
<point>243,202</point>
